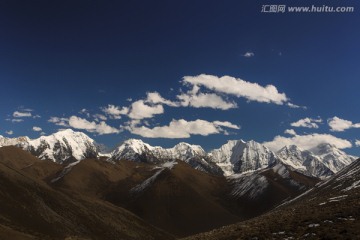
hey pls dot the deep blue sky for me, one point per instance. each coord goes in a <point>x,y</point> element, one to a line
<point>59,57</point>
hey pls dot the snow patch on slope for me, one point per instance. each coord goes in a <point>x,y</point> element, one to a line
<point>250,185</point>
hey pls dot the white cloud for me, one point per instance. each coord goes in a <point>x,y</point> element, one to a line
<point>18,114</point>
<point>37,129</point>
<point>291,105</point>
<point>182,129</point>
<point>14,120</point>
<point>59,121</point>
<point>357,143</point>
<point>307,123</point>
<point>10,132</point>
<point>239,88</point>
<point>114,111</point>
<point>100,128</point>
<point>99,117</point>
<point>85,112</point>
<point>290,132</point>
<point>210,100</point>
<point>155,98</point>
<point>339,125</point>
<point>37,116</point>
<point>140,110</point>
<point>248,54</point>
<point>226,124</point>
<point>307,142</point>
<point>22,108</point>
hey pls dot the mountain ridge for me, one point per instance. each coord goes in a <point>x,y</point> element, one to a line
<point>233,157</point>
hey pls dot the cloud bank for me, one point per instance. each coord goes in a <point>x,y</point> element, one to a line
<point>182,129</point>
<point>99,128</point>
<point>238,87</point>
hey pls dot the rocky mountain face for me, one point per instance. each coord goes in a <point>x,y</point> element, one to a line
<point>240,156</point>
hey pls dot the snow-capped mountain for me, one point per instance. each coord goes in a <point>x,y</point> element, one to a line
<point>322,161</point>
<point>303,161</point>
<point>137,150</point>
<point>234,157</point>
<point>332,157</point>
<point>63,146</point>
<point>240,156</point>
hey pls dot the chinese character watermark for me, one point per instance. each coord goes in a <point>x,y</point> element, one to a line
<point>273,8</point>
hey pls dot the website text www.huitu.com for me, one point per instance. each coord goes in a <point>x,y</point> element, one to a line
<point>306,9</point>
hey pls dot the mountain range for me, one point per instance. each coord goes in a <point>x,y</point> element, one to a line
<point>234,157</point>
<point>166,192</point>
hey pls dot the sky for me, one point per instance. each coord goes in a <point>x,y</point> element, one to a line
<point>202,72</point>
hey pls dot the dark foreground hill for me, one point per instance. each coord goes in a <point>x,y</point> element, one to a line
<point>178,198</point>
<point>30,209</point>
<point>331,210</point>
<point>124,199</point>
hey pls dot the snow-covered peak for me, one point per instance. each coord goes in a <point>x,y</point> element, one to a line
<point>187,149</point>
<point>322,161</point>
<point>332,157</point>
<point>58,147</point>
<point>136,145</point>
<point>323,148</point>
<point>62,146</point>
<point>240,156</point>
<point>137,150</point>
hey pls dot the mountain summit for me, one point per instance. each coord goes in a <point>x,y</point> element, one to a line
<point>63,146</point>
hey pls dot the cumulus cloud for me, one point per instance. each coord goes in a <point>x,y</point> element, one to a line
<point>36,129</point>
<point>18,114</point>
<point>141,110</point>
<point>339,125</point>
<point>307,142</point>
<point>182,129</point>
<point>307,123</point>
<point>59,121</point>
<point>290,132</point>
<point>100,128</point>
<point>238,87</point>
<point>156,98</point>
<point>357,143</point>
<point>248,54</point>
<point>200,100</point>
<point>10,132</point>
<point>114,111</point>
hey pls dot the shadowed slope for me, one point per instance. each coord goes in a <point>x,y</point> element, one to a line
<point>330,210</point>
<point>28,207</point>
